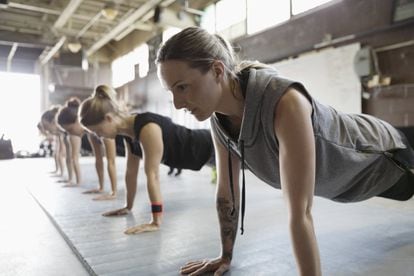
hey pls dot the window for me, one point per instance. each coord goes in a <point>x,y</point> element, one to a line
<point>142,53</point>
<point>123,68</point>
<point>169,32</point>
<point>229,13</point>
<point>231,17</point>
<point>20,101</point>
<point>262,14</point>
<point>208,20</point>
<point>299,6</point>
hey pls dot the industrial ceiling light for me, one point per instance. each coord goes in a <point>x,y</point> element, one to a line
<point>110,11</point>
<point>74,46</point>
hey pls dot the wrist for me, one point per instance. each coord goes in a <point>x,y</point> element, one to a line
<point>227,256</point>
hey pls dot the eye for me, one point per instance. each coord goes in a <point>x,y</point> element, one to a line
<point>181,87</point>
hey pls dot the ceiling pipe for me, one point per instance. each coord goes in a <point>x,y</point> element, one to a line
<point>10,56</point>
<point>53,51</point>
<point>24,44</point>
<point>50,11</point>
<point>33,8</point>
<point>121,26</point>
<point>90,23</point>
<point>67,13</point>
<point>140,25</point>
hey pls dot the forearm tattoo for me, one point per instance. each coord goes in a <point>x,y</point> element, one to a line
<point>228,225</point>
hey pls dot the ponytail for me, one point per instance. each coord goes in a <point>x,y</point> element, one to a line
<point>69,114</point>
<point>73,102</point>
<point>92,111</point>
<point>50,114</point>
<point>104,92</point>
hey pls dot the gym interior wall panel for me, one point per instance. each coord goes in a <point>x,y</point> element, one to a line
<point>328,75</point>
<point>398,64</point>
<point>393,104</point>
<point>351,20</point>
<point>3,64</point>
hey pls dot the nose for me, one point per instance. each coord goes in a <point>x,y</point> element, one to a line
<point>178,102</point>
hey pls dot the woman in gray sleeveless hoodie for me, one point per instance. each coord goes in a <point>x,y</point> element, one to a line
<point>275,128</point>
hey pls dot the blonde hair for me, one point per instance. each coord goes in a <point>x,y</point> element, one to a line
<point>92,111</point>
<point>69,113</point>
<point>200,49</point>
<point>50,114</point>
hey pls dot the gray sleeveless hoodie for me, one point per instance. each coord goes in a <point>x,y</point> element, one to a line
<point>353,151</point>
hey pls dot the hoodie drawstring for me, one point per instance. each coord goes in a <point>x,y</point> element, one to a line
<point>231,176</point>
<point>243,201</point>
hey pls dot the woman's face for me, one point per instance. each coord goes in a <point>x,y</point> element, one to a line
<point>74,128</point>
<point>107,128</point>
<point>197,92</point>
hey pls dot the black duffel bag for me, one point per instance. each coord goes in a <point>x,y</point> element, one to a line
<point>6,148</point>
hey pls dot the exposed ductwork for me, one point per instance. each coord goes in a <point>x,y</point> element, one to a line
<point>123,25</point>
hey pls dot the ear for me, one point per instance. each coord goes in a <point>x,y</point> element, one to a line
<point>218,69</point>
<point>108,117</point>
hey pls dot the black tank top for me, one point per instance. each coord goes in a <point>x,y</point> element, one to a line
<point>119,144</point>
<point>133,145</point>
<point>183,148</point>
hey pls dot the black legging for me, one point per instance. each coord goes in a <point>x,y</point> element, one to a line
<point>404,188</point>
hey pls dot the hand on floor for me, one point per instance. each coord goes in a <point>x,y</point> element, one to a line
<point>93,191</point>
<point>218,266</point>
<point>118,212</point>
<point>70,185</point>
<point>148,227</point>
<point>105,197</point>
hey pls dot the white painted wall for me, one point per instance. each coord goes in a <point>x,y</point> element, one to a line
<point>328,75</point>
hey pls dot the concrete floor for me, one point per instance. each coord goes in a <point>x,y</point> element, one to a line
<point>375,237</point>
<point>29,242</point>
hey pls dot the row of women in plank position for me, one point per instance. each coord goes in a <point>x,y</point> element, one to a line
<point>259,120</point>
<point>135,135</point>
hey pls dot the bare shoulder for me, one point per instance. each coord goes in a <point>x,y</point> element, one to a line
<point>292,102</point>
<point>293,99</point>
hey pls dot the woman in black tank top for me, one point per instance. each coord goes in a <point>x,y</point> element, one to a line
<point>162,142</point>
<point>110,148</point>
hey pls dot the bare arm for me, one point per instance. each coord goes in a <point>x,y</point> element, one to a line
<point>110,149</point>
<point>224,204</point>
<point>56,154</point>
<point>99,164</point>
<point>75,145</point>
<point>67,150</point>
<point>153,147</point>
<point>131,176</point>
<point>228,221</point>
<point>294,131</point>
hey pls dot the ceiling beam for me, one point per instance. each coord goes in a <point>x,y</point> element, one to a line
<point>67,13</point>
<point>121,26</point>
